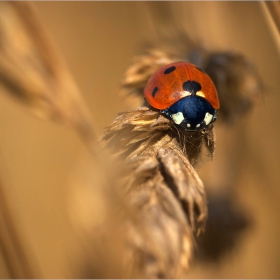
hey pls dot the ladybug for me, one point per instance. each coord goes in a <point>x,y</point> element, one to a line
<point>185,94</point>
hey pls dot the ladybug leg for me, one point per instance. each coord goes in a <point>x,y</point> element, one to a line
<point>186,186</point>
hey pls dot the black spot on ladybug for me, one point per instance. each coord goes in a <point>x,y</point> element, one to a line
<point>169,70</point>
<point>200,70</point>
<point>191,86</point>
<point>154,91</point>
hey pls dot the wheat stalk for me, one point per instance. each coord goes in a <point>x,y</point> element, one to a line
<point>162,187</point>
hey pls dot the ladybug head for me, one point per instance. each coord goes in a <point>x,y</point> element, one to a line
<point>191,112</point>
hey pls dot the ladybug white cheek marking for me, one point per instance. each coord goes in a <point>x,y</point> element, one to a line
<point>178,117</point>
<point>208,118</point>
<point>185,93</point>
<point>200,93</point>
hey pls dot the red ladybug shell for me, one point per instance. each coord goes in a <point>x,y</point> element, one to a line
<point>165,87</point>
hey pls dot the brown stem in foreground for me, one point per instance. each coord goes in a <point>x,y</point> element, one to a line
<point>11,245</point>
<point>162,188</point>
<point>46,88</point>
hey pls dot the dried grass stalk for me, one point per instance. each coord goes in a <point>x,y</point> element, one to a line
<point>162,189</point>
<point>15,259</point>
<point>33,72</point>
<point>160,158</point>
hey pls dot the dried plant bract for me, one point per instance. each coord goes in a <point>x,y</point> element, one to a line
<point>161,187</point>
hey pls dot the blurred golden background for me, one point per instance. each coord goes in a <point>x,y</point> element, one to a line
<point>46,170</point>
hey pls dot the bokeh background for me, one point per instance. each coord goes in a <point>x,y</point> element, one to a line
<point>45,167</point>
